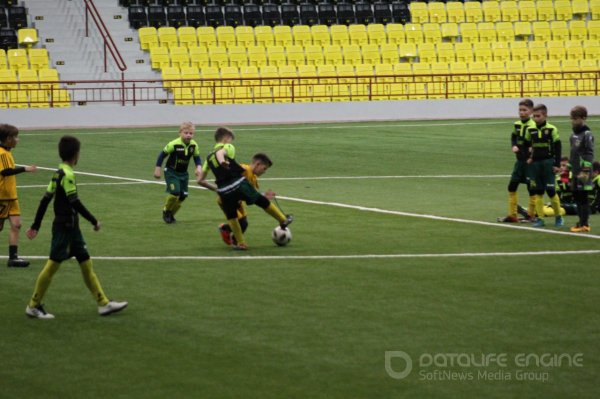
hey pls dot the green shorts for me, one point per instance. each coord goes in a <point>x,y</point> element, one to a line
<point>541,175</point>
<point>67,243</point>
<point>244,192</point>
<point>519,173</point>
<point>177,183</point>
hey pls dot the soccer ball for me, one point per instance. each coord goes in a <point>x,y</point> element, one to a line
<point>281,236</point>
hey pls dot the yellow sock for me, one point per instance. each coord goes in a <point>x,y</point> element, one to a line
<point>176,206</point>
<point>555,201</point>
<point>512,204</point>
<point>275,212</point>
<point>43,282</point>
<point>92,282</point>
<point>237,230</point>
<point>531,206</point>
<point>170,202</point>
<point>539,206</point>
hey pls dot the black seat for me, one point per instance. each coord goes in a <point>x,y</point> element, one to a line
<point>327,14</point>
<point>364,13</point>
<point>271,15</point>
<point>345,14</point>
<point>17,17</point>
<point>382,13</point>
<point>195,16</point>
<point>137,17</point>
<point>308,14</point>
<point>400,13</point>
<point>3,18</point>
<point>252,15</point>
<point>8,38</point>
<point>176,16</point>
<point>157,16</point>
<point>289,14</point>
<point>214,16</point>
<point>233,15</point>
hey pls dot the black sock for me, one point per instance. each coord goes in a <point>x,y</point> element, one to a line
<point>12,252</point>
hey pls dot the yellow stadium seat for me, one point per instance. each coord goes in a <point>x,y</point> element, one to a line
<point>346,76</point>
<point>352,54</point>
<point>265,35</point>
<point>588,84</point>
<point>491,11</point>
<point>501,51</point>
<point>376,34</point>
<point>38,99</point>
<point>450,31</point>
<point>190,73</point>
<point>537,51</point>
<point>60,98</point>
<point>545,10</point>
<point>18,99</point>
<point>523,30</point>
<point>422,70</point>
<point>473,12</point>
<point>295,55</point>
<point>479,68</point>
<point>580,8</point>
<point>464,52</point>
<point>333,54</point>
<point>179,57</point>
<point>591,49</point>
<point>232,73</point>
<point>327,83</point>
<point>505,31</point>
<point>574,49</point>
<point>27,37</point>
<point>408,51</point>
<point>148,37</point>
<point>593,28</point>
<point>304,90</point>
<point>17,59</point>
<point>225,36</point>
<point>395,33</point>
<point>413,32</point>
<point>320,35</point>
<point>509,11</point>
<point>48,78</point>
<point>276,55</point>
<point>358,34</point>
<point>541,31</point>
<point>432,33</point>
<point>437,12</point>
<point>497,70</point>
<point>560,30</point>
<point>218,56</point>
<point>440,68</point>
<point>183,96</point>
<point>187,36</point>
<point>8,79</point>
<point>487,32</point>
<point>199,57</point>
<point>578,30</point>
<point>445,52</point>
<point>244,35</point>
<point>563,10</point>
<point>360,91</point>
<point>381,89</point>
<point>167,37</point>
<point>339,35</point>
<point>419,12</point>
<point>556,50</point>
<point>206,36</point>
<point>455,11</point>
<point>370,54</point>
<point>482,51</point>
<point>469,32</point>
<point>170,76</point>
<point>288,75</point>
<point>302,35</point>
<point>264,92</point>
<point>38,58</point>
<point>519,51</point>
<point>427,53</point>
<point>514,67</point>
<point>553,69</point>
<point>570,69</point>
<point>595,10</point>
<point>389,53</point>
<point>257,56</point>
<point>282,35</point>
<point>3,61</point>
<point>237,55</point>
<point>527,11</point>
<point>314,55</point>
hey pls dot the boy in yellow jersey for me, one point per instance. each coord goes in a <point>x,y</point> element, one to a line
<point>233,187</point>
<point>67,240</point>
<point>179,153</point>
<point>9,203</point>
<point>258,166</point>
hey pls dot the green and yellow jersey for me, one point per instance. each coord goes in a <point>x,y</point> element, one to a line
<point>228,175</point>
<point>179,155</point>
<point>517,138</point>
<point>545,143</point>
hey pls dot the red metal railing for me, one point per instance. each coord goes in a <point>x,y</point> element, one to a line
<point>305,89</point>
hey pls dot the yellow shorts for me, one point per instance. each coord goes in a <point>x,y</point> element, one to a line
<point>9,208</point>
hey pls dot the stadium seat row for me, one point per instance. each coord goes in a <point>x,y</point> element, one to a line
<point>34,98</point>
<point>14,17</point>
<point>151,37</point>
<point>19,59</point>
<point>46,78</point>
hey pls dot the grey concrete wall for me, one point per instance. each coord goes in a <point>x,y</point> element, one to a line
<point>169,115</point>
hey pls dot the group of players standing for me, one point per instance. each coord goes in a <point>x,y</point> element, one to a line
<point>540,165</point>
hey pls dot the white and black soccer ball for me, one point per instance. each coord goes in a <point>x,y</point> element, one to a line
<point>281,236</point>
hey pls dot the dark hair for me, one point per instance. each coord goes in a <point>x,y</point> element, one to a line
<point>262,158</point>
<point>579,111</point>
<point>526,102</point>
<point>68,147</point>
<point>564,159</point>
<point>223,132</point>
<point>596,166</point>
<point>7,131</point>
<point>540,108</point>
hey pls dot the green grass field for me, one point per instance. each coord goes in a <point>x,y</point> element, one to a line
<point>395,248</point>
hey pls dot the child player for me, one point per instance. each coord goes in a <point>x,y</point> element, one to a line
<point>544,163</point>
<point>9,203</point>
<point>233,187</point>
<point>521,150</point>
<point>67,240</point>
<point>595,207</point>
<point>581,159</point>
<point>179,151</point>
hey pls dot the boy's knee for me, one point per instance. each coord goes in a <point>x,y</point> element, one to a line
<point>262,202</point>
<point>182,197</point>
